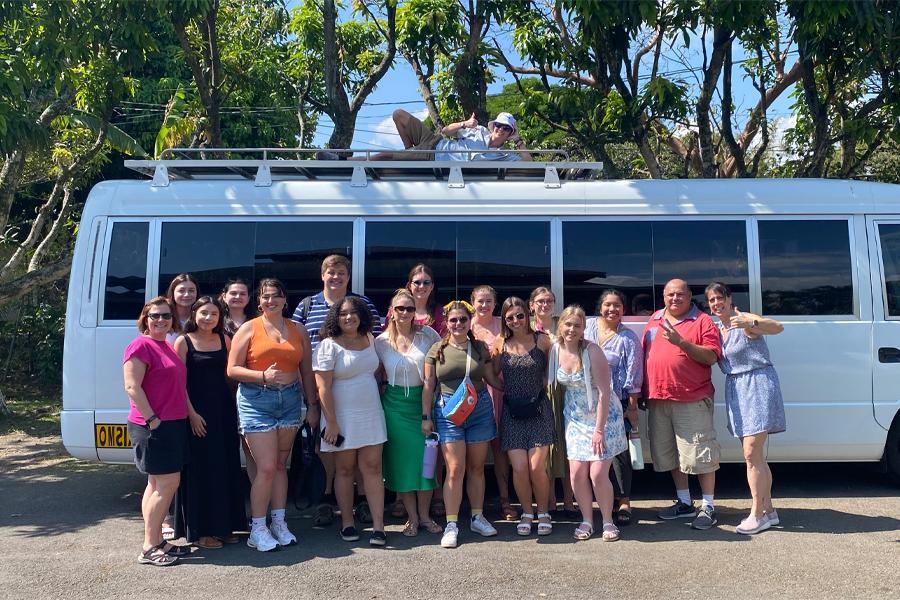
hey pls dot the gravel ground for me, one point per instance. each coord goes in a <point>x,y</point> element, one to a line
<point>70,529</point>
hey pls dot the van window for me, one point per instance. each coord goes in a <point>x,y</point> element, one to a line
<point>639,257</point>
<point>126,271</point>
<point>214,252</point>
<point>890,256</point>
<point>805,267</point>
<point>513,257</point>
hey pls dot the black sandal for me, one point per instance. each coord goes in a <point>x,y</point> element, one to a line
<point>623,517</point>
<point>324,516</point>
<point>157,557</point>
<point>174,550</point>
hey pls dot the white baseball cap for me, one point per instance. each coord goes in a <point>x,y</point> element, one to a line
<point>504,118</point>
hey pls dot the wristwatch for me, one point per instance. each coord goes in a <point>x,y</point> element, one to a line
<point>754,323</point>
<point>150,419</point>
<point>426,417</point>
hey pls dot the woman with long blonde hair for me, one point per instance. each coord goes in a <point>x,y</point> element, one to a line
<point>594,430</point>
<point>402,349</point>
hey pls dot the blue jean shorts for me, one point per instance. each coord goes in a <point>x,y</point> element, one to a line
<point>266,407</point>
<point>479,427</point>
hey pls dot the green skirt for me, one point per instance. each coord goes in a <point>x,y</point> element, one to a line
<point>402,459</point>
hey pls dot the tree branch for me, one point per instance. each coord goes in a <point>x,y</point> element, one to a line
<point>21,286</point>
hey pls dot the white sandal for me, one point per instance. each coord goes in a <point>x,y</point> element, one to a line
<point>523,528</point>
<point>544,528</point>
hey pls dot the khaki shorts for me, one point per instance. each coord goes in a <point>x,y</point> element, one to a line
<point>682,436</point>
<point>422,139</point>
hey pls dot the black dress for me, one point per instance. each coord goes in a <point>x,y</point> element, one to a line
<point>210,499</point>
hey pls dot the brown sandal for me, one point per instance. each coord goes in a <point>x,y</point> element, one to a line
<point>431,527</point>
<point>508,512</point>
<point>232,538</point>
<point>410,530</point>
<point>209,542</point>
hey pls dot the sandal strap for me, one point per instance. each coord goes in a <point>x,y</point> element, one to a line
<point>526,516</point>
<point>544,516</point>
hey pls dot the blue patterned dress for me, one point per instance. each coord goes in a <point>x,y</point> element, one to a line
<point>753,399</point>
<point>580,420</point>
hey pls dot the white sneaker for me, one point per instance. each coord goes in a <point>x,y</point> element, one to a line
<point>772,517</point>
<point>482,526</point>
<point>450,539</point>
<point>752,525</point>
<point>280,532</point>
<point>261,539</point>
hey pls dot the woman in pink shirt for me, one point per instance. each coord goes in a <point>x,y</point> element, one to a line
<point>155,381</point>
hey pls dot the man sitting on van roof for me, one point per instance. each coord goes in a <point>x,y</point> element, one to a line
<point>465,140</point>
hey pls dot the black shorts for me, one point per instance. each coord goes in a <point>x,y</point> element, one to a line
<point>160,451</point>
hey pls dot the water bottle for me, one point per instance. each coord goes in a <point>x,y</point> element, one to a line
<point>429,456</point>
<point>634,448</point>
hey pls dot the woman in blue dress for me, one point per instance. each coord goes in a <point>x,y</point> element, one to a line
<point>753,399</point>
<point>594,431</point>
<point>622,349</point>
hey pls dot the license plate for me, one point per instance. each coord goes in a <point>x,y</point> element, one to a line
<point>111,435</point>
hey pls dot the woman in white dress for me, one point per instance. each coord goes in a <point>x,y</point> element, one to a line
<point>353,424</point>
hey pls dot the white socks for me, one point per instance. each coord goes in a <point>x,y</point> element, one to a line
<point>684,496</point>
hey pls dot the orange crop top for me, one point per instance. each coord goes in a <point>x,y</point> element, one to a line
<point>264,352</point>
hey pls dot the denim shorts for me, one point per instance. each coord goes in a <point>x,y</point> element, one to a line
<point>479,427</point>
<point>266,407</point>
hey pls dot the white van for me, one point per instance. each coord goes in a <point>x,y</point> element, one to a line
<point>822,256</point>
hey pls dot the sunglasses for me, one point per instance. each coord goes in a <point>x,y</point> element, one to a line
<point>455,320</point>
<point>422,282</point>
<point>515,317</point>
<point>405,309</point>
<point>503,128</point>
<point>159,316</point>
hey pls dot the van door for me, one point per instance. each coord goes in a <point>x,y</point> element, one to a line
<point>884,236</point>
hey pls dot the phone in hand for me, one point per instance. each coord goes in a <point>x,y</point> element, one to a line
<point>338,442</point>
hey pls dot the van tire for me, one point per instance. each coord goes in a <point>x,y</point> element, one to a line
<point>892,451</point>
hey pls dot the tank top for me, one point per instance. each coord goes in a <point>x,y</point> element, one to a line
<point>263,351</point>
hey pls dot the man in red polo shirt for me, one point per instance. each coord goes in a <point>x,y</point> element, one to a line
<point>681,343</point>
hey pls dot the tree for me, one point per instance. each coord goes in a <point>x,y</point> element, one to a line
<point>70,71</point>
<point>336,65</point>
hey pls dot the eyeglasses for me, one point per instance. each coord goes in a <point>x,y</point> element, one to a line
<point>515,317</point>
<point>159,316</point>
<point>422,283</point>
<point>455,320</point>
<point>405,309</point>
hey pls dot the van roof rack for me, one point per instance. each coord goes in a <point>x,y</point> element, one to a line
<point>264,165</point>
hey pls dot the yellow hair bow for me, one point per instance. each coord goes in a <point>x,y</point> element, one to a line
<point>469,307</point>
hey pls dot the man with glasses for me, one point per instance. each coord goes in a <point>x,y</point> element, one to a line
<point>681,343</point>
<point>465,140</point>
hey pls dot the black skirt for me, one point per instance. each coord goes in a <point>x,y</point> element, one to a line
<point>159,451</point>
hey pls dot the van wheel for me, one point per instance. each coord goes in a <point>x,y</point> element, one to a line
<point>892,450</point>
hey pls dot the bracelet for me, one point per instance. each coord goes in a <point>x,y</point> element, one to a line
<point>264,377</point>
<point>150,419</point>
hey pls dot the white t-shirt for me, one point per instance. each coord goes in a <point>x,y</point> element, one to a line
<point>476,138</point>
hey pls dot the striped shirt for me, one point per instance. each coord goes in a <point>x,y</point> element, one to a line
<point>318,310</point>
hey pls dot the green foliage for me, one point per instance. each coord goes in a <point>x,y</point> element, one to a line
<point>33,340</point>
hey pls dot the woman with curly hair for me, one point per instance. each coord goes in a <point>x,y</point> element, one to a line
<point>353,425</point>
<point>464,446</point>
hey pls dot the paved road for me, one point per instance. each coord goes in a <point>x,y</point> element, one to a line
<point>72,530</point>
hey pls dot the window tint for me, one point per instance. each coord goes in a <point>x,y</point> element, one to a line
<point>805,267</point>
<point>890,256</point>
<point>214,252</point>
<point>638,258</point>
<point>126,271</point>
<point>513,258</point>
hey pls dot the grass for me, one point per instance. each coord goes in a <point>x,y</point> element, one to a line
<point>35,409</point>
